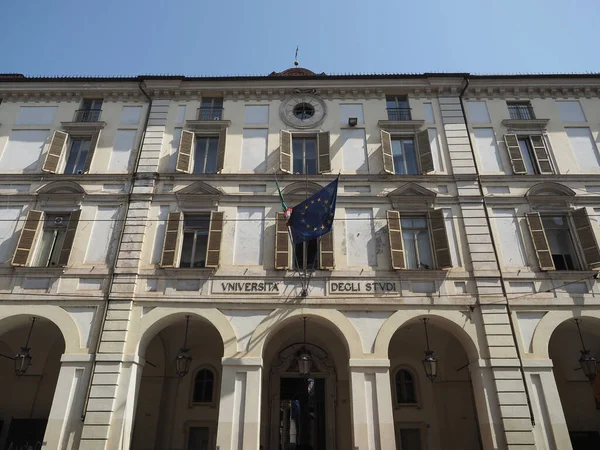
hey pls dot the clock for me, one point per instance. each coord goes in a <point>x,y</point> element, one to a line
<point>302,110</point>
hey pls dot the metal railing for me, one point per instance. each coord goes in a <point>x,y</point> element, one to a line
<point>521,112</point>
<point>87,115</point>
<point>399,114</point>
<point>210,113</point>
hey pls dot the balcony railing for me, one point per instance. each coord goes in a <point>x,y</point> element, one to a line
<point>87,115</point>
<point>210,113</point>
<point>399,114</point>
<point>521,112</point>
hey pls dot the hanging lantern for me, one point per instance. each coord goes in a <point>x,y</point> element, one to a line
<point>304,362</point>
<point>430,362</point>
<point>586,361</point>
<point>23,358</point>
<point>183,360</point>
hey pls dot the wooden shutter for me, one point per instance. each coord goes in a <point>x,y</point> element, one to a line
<point>65,252</point>
<point>424,150</point>
<point>587,238</point>
<point>90,155</point>
<point>282,242</point>
<point>386,149</point>
<point>323,150</point>
<point>33,222</point>
<point>440,239</point>
<point>173,235</point>
<point>184,154</point>
<point>540,242</point>
<point>396,244</point>
<point>221,150</point>
<point>57,144</point>
<point>326,251</point>
<point>514,153</point>
<point>541,154</point>
<point>215,234</point>
<point>285,151</point>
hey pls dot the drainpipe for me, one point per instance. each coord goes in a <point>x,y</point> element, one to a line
<point>112,268</point>
<point>489,224</point>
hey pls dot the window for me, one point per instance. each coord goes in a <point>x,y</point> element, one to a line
<point>195,240</point>
<point>417,245</point>
<point>397,107</point>
<point>528,154</point>
<point>90,111</point>
<point>409,439</point>
<point>570,111</point>
<point>405,159</point>
<point>304,151</point>
<point>405,388</point>
<point>520,110</point>
<point>77,155</point>
<point>306,255</point>
<point>560,242</point>
<point>211,108</point>
<point>304,154</point>
<point>52,240</point>
<point>407,155</point>
<point>478,112</point>
<point>198,438</point>
<point>204,384</point>
<point>205,155</point>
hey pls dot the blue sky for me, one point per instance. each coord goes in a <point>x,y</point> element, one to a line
<point>235,37</point>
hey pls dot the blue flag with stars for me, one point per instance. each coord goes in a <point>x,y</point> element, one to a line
<point>314,216</point>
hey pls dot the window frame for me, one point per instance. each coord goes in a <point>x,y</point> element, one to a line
<point>208,137</point>
<point>38,245</point>
<point>305,252</point>
<point>578,261</point>
<point>395,99</point>
<point>403,425</point>
<point>195,239</point>
<point>215,387</point>
<point>424,215</point>
<point>416,156</point>
<point>305,137</point>
<point>521,103</point>
<point>210,104</point>
<point>416,387</point>
<point>81,160</point>
<point>212,430</point>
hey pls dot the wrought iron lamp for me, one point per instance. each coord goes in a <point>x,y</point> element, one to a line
<point>183,360</point>
<point>304,358</point>
<point>23,358</point>
<point>586,361</point>
<point>430,362</point>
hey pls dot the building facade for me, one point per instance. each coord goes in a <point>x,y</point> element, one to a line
<point>154,300</point>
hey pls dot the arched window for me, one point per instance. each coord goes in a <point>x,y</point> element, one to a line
<point>406,393</point>
<point>203,386</point>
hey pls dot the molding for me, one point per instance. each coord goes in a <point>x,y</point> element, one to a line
<point>207,125</point>
<point>402,126</point>
<point>524,125</point>
<point>82,127</point>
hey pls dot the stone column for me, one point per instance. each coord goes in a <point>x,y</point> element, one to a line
<point>64,422</point>
<point>372,413</point>
<point>239,408</point>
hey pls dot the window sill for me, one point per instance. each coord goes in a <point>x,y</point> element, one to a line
<point>406,126</point>
<point>82,127</point>
<point>526,124</point>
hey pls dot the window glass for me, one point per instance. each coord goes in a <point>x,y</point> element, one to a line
<point>203,386</point>
<point>526,152</point>
<point>205,156</point>
<point>417,246</point>
<point>405,159</point>
<point>405,388</point>
<point>52,239</point>
<point>560,242</point>
<point>397,107</point>
<point>304,155</point>
<point>77,155</point>
<point>195,239</point>
<point>306,255</point>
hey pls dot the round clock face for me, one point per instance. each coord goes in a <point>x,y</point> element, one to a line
<point>302,110</point>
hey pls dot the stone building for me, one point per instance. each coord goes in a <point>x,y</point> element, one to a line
<point>153,299</point>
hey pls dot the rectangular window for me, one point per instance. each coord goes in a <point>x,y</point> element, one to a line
<point>478,112</point>
<point>205,156</point>
<point>180,114</point>
<point>36,115</point>
<point>199,438</point>
<point>78,152</point>
<point>410,439</point>
<point>351,110</point>
<point>23,150</point>
<point>527,154</point>
<point>417,244</point>
<point>131,115</point>
<point>520,110</point>
<point>211,108</point>
<point>249,228</point>
<point>405,158</point>
<point>195,240</point>
<point>560,241</point>
<point>52,239</point>
<point>354,150</point>
<point>90,111</point>
<point>570,111</point>
<point>304,151</point>
<point>489,156</point>
<point>254,150</point>
<point>429,117</point>
<point>256,114</point>
<point>306,255</point>
<point>397,107</point>
<point>584,149</point>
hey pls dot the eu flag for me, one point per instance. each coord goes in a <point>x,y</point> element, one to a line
<point>314,216</point>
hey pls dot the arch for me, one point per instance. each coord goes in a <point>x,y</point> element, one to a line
<point>540,343</point>
<point>58,316</point>
<point>454,322</point>
<point>300,188</point>
<point>549,188</point>
<point>278,318</point>
<point>62,187</point>
<point>159,318</point>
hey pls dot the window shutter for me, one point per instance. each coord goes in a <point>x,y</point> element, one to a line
<point>65,252</point>
<point>396,244</point>
<point>326,251</point>
<point>57,144</point>
<point>424,149</point>
<point>541,154</point>
<point>323,149</point>
<point>184,154</point>
<point>285,151</point>
<point>172,237</point>
<point>587,238</point>
<point>540,242</point>
<point>282,242</point>
<point>90,155</point>
<point>514,153</point>
<point>221,150</point>
<point>27,238</point>
<point>440,239</point>
<point>215,233</point>
<point>386,149</point>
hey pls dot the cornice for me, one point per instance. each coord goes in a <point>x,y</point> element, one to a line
<point>527,88</point>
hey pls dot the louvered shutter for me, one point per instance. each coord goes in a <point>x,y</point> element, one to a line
<point>173,235</point>
<point>323,149</point>
<point>326,251</point>
<point>285,151</point>
<point>282,242</point>
<point>587,238</point>
<point>540,242</point>
<point>396,244</point>
<point>440,239</point>
<point>65,252</point>
<point>386,149</point>
<point>424,149</point>
<point>515,155</point>
<point>33,222</point>
<point>221,150</point>
<point>90,155</point>
<point>184,154</point>
<point>215,234</point>
<point>541,154</point>
<point>57,145</point>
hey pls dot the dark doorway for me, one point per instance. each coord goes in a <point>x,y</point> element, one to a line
<point>302,414</point>
<point>26,433</point>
